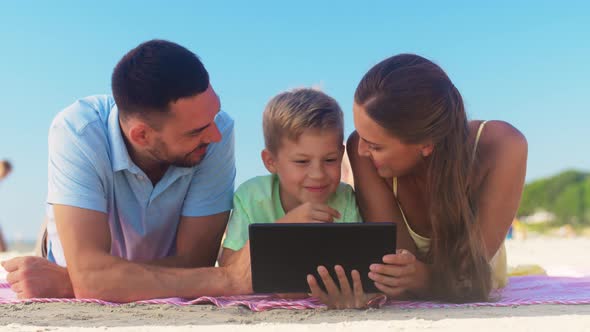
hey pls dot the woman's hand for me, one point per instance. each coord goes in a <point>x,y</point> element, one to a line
<point>400,273</point>
<point>342,297</point>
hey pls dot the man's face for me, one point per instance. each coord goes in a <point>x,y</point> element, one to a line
<point>187,131</point>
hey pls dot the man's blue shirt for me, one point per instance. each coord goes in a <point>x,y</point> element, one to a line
<point>90,168</point>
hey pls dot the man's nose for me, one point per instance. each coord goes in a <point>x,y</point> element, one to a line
<point>213,135</point>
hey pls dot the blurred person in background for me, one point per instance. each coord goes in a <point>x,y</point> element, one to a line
<point>5,169</point>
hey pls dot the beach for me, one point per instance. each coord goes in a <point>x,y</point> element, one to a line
<point>559,256</point>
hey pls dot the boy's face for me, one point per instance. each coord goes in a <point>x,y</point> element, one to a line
<point>308,169</point>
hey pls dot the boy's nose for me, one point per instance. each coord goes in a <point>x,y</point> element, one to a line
<point>317,172</point>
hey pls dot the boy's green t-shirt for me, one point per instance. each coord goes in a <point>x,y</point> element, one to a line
<point>257,201</point>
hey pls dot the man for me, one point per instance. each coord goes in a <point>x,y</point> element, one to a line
<point>5,169</point>
<point>138,184</point>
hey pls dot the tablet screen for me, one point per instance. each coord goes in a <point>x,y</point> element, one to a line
<point>282,255</point>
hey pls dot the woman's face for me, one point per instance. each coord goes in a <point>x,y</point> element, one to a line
<point>390,156</point>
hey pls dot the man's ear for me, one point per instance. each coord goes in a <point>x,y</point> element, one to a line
<point>427,149</point>
<point>139,134</point>
<point>269,161</point>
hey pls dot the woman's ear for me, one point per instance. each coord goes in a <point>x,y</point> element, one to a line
<point>269,161</point>
<point>426,149</point>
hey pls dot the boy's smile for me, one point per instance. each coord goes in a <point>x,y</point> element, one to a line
<point>317,189</point>
<point>309,168</point>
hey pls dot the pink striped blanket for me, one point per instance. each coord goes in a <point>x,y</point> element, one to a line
<point>525,290</point>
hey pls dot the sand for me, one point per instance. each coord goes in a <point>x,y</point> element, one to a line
<point>559,257</point>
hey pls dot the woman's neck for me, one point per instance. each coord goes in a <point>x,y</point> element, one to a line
<point>419,176</point>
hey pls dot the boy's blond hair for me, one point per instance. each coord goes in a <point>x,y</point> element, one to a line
<point>291,113</point>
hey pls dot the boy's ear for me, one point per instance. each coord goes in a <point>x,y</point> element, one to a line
<point>269,161</point>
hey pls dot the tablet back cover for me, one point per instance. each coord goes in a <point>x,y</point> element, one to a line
<point>282,255</point>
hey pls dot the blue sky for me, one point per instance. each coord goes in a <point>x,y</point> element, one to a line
<point>525,63</point>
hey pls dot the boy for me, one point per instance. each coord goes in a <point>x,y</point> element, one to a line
<point>303,135</point>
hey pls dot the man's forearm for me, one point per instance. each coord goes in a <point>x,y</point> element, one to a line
<point>118,280</point>
<point>173,261</point>
<point>186,261</point>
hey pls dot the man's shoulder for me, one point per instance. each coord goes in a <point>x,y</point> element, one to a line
<point>224,122</point>
<point>78,116</point>
<point>82,129</point>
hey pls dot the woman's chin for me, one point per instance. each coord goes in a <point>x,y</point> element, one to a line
<point>385,172</point>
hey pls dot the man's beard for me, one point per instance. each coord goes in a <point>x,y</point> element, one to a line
<point>160,152</point>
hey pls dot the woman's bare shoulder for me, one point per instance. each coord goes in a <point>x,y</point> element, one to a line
<point>500,144</point>
<point>499,136</point>
<point>500,170</point>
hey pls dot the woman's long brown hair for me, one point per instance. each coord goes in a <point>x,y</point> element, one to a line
<point>416,102</point>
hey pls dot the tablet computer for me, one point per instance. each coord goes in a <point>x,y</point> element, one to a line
<point>282,255</point>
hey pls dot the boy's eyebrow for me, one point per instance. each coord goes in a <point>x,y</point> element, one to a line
<point>298,155</point>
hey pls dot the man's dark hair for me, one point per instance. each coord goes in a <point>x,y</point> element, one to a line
<point>154,74</point>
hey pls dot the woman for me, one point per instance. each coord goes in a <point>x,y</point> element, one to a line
<point>452,185</point>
